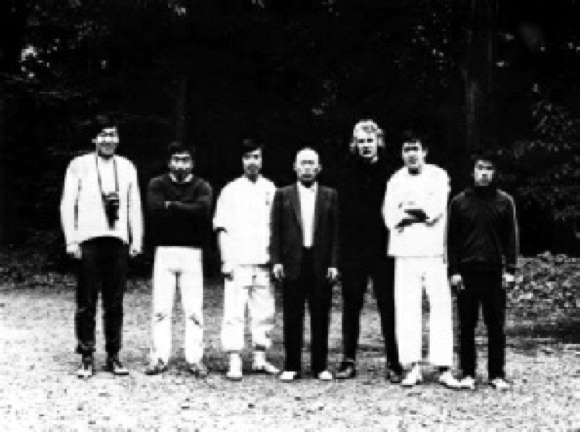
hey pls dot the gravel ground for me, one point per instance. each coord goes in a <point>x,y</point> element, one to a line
<point>39,389</point>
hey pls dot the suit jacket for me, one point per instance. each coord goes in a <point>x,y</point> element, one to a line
<point>287,238</point>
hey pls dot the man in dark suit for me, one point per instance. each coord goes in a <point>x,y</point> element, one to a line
<point>304,251</point>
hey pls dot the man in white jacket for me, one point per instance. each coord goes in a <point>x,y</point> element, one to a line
<point>242,221</point>
<point>415,213</point>
<point>103,225</point>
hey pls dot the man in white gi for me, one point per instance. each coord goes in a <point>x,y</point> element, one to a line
<point>415,213</point>
<point>242,221</point>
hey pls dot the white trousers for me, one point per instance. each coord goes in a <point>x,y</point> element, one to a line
<point>251,289</point>
<point>411,276</point>
<point>177,268</point>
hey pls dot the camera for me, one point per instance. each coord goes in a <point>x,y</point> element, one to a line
<point>111,204</point>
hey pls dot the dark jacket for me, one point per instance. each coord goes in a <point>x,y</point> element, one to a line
<point>186,221</point>
<point>363,234</point>
<point>287,239</point>
<point>482,231</point>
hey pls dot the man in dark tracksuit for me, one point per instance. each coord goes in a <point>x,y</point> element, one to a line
<point>364,239</point>
<point>482,247</point>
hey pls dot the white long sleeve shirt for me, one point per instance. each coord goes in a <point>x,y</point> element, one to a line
<point>427,190</point>
<point>307,197</point>
<point>82,211</point>
<point>243,213</point>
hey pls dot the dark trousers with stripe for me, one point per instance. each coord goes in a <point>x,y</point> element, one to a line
<point>306,289</point>
<point>482,288</point>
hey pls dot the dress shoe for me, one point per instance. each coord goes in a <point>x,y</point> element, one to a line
<point>115,366</point>
<point>289,376</point>
<point>346,370</point>
<point>86,368</point>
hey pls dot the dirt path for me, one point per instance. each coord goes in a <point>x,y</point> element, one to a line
<point>39,389</point>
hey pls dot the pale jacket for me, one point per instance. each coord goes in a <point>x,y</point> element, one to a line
<point>429,191</point>
<point>82,211</point>
<point>243,213</point>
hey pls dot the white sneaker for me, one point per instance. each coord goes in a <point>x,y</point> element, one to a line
<point>448,380</point>
<point>325,376</point>
<point>234,373</point>
<point>500,384</point>
<point>289,376</point>
<point>467,383</point>
<point>413,377</point>
<point>265,367</point>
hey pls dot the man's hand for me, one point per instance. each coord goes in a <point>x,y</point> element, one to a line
<point>74,250</point>
<point>134,251</point>
<point>278,272</point>
<point>508,280</point>
<point>332,274</point>
<point>227,271</point>
<point>457,281</point>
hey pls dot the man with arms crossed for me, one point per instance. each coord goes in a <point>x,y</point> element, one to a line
<point>482,247</point>
<point>179,209</point>
<point>242,221</point>
<point>304,250</point>
<point>364,240</point>
<point>103,225</point>
<point>415,213</point>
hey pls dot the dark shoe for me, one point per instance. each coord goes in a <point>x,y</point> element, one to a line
<point>115,366</point>
<point>394,376</point>
<point>346,370</point>
<point>87,367</point>
<point>156,368</point>
<point>199,370</point>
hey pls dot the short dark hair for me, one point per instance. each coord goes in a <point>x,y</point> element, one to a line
<point>250,145</point>
<point>413,135</point>
<point>177,147</point>
<point>484,156</point>
<point>100,122</point>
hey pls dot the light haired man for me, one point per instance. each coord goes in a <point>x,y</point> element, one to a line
<point>415,213</point>
<point>103,225</point>
<point>242,221</point>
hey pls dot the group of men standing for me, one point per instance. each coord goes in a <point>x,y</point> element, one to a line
<point>391,230</point>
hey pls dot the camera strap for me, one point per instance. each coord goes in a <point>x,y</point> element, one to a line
<point>99,175</point>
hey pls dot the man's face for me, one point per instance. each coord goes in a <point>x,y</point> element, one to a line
<point>483,173</point>
<point>252,163</point>
<point>413,155</point>
<point>106,142</point>
<point>307,166</point>
<point>181,165</point>
<point>366,145</point>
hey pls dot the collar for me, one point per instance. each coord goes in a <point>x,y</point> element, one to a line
<point>187,179</point>
<point>312,189</point>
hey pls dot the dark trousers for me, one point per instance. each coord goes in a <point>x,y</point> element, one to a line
<point>354,286</point>
<point>103,267</point>
<point>482,288</point>
<point>318,295</point>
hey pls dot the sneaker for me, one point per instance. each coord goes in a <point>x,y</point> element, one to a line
<point>87,368</point>
<point>346,370</point>
<point>265,367</point>
<point>115,366</point>
<point>156,368</point>
<point>234,372</point>
<point>467,383</point>
<point>448,380</point>
<point>199,370</point>
<point>413,377</point>
<point>325,375</point>
<point>289,376</point>
<point>500,384</point>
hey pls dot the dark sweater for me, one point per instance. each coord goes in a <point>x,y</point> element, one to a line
<point>186,220</point>
<point>364,235</point>
<point>482,231</point>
